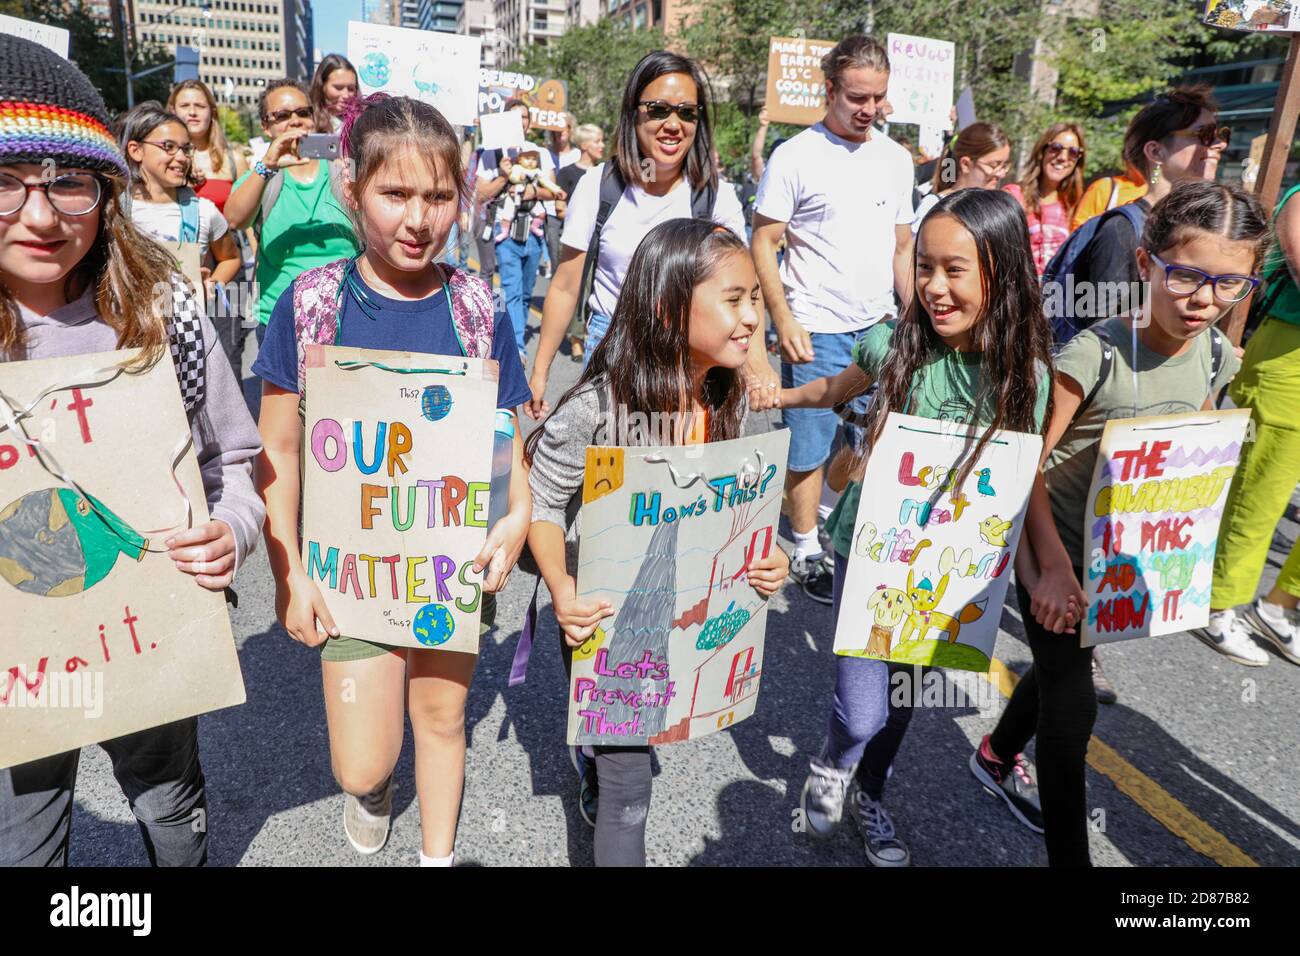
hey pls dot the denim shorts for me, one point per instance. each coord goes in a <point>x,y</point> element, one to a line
<point>597,326</point>
<point>813,430</point>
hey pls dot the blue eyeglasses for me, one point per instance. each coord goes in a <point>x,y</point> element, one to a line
<point>1184,280</point>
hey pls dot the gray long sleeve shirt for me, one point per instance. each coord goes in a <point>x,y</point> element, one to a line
<point>225,439</point>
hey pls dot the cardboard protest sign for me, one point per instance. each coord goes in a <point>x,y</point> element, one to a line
<point>796,88</point>
<point>547,99</point>
<point>929,565</point>
<point>102,634</point>
<point>921,73</point>
<point>397,463</point>
<point>1264,16</point>
<point>667,537</point>
<point>438,68</point>
<point>1152,522</point>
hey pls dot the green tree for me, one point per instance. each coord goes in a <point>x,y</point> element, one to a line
<point>237,126</point>
<point>595,61</point>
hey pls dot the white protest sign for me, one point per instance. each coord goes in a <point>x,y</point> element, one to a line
<point>438,68</point>
<point>921,80</point>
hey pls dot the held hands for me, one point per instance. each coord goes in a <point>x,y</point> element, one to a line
<point>206,551</point>
<point>283,151</point>
<point>1058,602</point>
<point>764,386</point>
<point>301,609</point>
<point>768,574</point>
<point>504,542</point>
<point>577,619</point>
<point>537,407</point>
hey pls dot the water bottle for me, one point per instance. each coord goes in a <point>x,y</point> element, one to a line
<point>503,456</point>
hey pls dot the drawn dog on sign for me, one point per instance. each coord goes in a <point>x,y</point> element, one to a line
<point>891,606</point>
<point>924,598</point>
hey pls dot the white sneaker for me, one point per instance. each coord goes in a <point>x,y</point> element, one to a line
<point>1229,634</point>
<point>1279,626</point>
<point>822,799</point>
<point>366,820</point>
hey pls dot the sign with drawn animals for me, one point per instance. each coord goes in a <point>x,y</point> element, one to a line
<point>102,634</point>
<point>438,68</point>
<point>667,537</point>
<point>1152,522</point>
<point>931,558</point>
<point>397,467</point>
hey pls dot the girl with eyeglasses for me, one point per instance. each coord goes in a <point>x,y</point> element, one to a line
<point>1200,249</point>
<point>663,169</point>
<point>1050,188</point>
<point>158,153</point>
<point>294,205</point>
<point>77,278</point>
<point>977,158</point>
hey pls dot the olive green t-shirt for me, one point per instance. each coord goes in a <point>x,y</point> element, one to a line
<point>1165,385</point>
<point>945,389</point>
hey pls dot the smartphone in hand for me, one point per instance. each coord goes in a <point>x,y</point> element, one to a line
<point>319,146</point>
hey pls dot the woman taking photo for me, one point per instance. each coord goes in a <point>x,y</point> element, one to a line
<point>664,145</point>
<point>1050,189</point>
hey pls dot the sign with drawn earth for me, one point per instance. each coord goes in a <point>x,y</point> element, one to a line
<point>930,557</point>
<point>667,537</point>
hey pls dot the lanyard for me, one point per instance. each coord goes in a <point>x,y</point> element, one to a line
<point>354,284</point>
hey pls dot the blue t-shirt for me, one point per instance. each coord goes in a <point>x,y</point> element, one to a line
<point>395,325</point>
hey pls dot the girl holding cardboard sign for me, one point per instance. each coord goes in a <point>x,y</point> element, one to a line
<point>1200,248</point>
<point>972,348</point>
<point>679,336</point>
<point>77,279</point>
<point>406,191</point>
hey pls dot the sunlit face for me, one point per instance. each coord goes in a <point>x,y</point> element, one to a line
<point>1180,316</point>
<point>407,209</point>
<point>287,99</point>
<point>595,149</point>
<point>156,166</point>
<point>1058,162</point>
<point>986,171</point>
<point>192,107</point>
<point>340,86</point>
<point>948,279</point>
<point>667,142</point>
<point>39,246</point>
<point>1182,156</point>
<point>725,311</point>
<point>855,98</point>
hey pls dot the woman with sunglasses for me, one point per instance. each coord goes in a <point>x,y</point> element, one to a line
<point>663,148</point>
<point>158,153</point>
<point>1050,188</point>
<point>294,205</point>
<point>976,158</point>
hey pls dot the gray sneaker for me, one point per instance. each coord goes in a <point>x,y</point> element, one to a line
<point>366,819</point>
<point>884,848</point>
<point>822,799</point>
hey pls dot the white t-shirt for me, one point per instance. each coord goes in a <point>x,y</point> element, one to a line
<point>636,213</point>
<point>842,201</point>
<point>162,221</point>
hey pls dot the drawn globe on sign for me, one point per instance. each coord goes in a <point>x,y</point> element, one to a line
<point>422,75</point>
<point>54,543</point>
<point>433,625</point>
<point>435,403</point>
<point>374,69</point>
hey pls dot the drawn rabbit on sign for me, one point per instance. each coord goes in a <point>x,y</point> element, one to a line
<point>891,606</point>
<point>924,598</point>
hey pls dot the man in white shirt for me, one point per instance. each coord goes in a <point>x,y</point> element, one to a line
<point>840,193</point>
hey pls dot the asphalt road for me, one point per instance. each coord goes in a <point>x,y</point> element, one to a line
<point>1196,765</point>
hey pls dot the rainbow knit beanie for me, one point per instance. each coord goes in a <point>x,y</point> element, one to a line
<point>49,109</point>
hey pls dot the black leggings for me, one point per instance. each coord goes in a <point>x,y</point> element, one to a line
<point>1054,701</point>
<point>625,781</point>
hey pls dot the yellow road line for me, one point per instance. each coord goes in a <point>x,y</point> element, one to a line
<point>1162,806</point>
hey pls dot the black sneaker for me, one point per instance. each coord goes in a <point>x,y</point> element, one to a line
<point>816,578</point>
<point>588,785</point>
<point>1101,686</point>
<point>1013,784</point>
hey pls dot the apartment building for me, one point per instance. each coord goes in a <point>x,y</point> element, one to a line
<point>476,18</point>
<point>581,13</point>
<point>640,14</point>
<point>299,38</point>
<point>522,23</point>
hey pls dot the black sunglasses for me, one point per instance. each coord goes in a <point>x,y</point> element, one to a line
<point>1210,135</point>
<point>1056,149</point>
<point>279,116</point>
<point>659,111</point>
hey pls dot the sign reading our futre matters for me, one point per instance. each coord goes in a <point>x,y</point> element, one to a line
<point>397,470</point>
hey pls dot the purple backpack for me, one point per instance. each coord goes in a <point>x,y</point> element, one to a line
<point>317,299</point>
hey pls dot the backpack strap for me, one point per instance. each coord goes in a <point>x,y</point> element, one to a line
<point>1103,372</point>
<point>611,190</point>
<point>185,338</point>
<point>270,193</point>
<point>472,312</point>
<point>524,649</point>
<point>703,200</point>
<point>317,300</point>
<point>190,209</point>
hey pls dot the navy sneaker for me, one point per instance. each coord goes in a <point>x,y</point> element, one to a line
<point>588,784</point>
<point>817,580</point>
<point>1013,784</point>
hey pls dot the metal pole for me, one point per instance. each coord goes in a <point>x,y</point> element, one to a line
<point>126,52</point>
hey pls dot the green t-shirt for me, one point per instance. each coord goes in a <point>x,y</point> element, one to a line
<point>1286,306</point>
<point>1165,386</point>
<point>945,389</point>
<point>306,228</point>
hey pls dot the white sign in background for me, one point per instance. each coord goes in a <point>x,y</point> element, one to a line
<point>921,71</point>
<point>439,68</point>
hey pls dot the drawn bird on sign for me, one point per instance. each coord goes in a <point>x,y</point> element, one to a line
<point>985,482</point>
<point>994,530</point>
